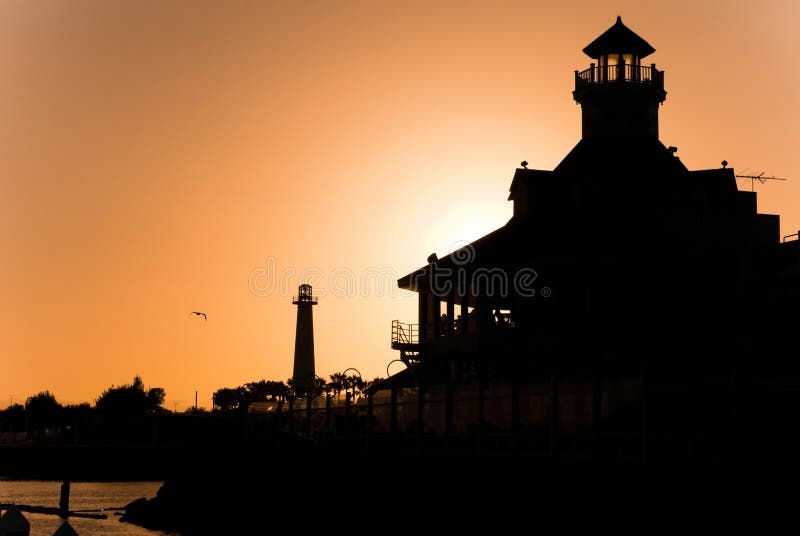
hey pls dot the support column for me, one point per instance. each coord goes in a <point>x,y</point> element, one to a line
<point>423,314</point>
<point>435,315</point>
<point>451,311</point>
<point>464,327</point>
<point>481,314</point>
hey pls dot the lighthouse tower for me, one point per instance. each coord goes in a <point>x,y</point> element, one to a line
<point>303,376</point>
<point>619,94</point>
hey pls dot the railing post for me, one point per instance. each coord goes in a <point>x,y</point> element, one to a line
<point>592,73</point>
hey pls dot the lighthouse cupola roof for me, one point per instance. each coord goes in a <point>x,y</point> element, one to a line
<point>619,39</point>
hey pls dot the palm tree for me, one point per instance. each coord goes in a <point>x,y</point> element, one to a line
<point>226,399</point>
<point>337,383</point>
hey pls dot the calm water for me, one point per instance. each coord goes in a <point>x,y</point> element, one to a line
<point>83,496</point>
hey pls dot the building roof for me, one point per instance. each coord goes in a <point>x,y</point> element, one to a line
<point>618,39</point>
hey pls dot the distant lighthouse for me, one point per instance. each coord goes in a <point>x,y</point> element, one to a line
<point>303,376</point>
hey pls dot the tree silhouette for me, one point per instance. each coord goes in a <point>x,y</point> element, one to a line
<point>337,383</point>
<point>129,400</point>
<point>226,399</point>
<point>43,412</point>
<point>13,418</point>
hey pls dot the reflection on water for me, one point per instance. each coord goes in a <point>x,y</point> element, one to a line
<point>83,496</point>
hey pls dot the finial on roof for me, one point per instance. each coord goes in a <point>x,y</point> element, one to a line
<point>619,19</point>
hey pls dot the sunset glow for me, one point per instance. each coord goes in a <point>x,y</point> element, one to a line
<point>160,158</point>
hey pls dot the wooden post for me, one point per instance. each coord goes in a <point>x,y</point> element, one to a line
<point>63,501</point>
<point>463,329</point>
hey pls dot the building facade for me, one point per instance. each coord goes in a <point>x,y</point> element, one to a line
<point>630,306</point>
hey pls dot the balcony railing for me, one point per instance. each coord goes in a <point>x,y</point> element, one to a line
<point>624,72</point>
<point>404,335</point>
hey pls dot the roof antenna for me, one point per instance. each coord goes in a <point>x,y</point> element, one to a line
<point>760,178</point>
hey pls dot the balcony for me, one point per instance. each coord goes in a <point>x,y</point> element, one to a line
<point>404,336</point>
<point>621,73</point>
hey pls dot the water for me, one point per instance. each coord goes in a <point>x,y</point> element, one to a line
<point>83,496</point>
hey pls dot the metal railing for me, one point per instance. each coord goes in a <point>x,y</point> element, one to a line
<point>623,72</point>
<point>404,334</point>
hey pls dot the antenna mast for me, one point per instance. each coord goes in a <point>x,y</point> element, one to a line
<point>760,178</point>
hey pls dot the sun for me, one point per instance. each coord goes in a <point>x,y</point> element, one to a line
<point>457,226</point>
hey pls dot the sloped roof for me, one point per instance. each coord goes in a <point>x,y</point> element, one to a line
<point>618,39</point>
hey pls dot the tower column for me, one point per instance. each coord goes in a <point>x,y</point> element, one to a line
<point>303,375</point>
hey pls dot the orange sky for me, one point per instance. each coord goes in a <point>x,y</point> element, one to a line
<point>157,157</point>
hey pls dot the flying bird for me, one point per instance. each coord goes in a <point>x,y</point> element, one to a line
<point>198,313</point>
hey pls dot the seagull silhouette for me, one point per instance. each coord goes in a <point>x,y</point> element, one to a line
<point>198,313</point>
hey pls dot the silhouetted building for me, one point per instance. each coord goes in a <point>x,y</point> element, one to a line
<point>630,306</point>
<point>303,376</point>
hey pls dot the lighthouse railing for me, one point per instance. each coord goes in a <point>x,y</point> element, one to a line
<point>623,72</point>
